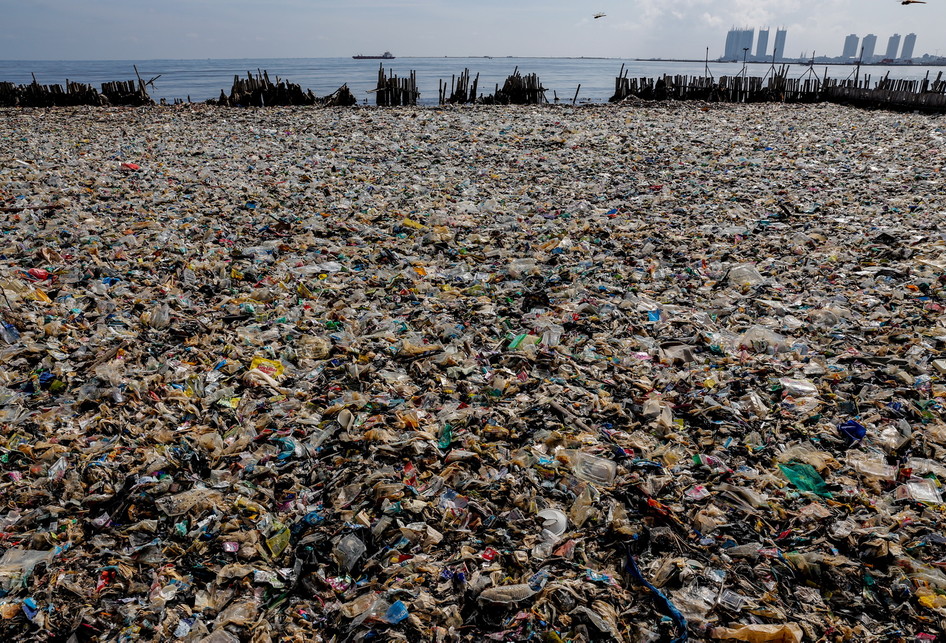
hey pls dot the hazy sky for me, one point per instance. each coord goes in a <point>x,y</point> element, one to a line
<point>132,29</point>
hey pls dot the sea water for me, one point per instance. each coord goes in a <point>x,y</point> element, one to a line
<point>200,80</point>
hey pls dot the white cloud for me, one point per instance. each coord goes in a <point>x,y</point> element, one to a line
<point>711,20</point>
<point>288,28</point>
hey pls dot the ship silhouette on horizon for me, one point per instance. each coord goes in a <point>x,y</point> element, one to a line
<point>385,56</point>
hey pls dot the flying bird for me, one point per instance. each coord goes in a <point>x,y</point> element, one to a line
<point>602,15</point>
<point>912,1</point>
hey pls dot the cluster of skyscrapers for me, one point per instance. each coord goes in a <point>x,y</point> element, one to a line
<point>739,45</point>
<point>869,46</point>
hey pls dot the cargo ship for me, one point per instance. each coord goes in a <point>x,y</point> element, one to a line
<point>385,56</point>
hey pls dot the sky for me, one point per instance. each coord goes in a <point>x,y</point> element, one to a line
<point>132,29</point>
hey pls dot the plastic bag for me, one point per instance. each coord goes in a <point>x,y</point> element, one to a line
<point>745,275</point>
<point>17,565</point>
<point>806,478</point>
<point>760,633</point>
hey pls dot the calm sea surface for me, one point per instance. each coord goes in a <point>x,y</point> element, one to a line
<point>203,79</point>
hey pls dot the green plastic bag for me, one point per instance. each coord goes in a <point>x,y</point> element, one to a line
<point>805,477</point>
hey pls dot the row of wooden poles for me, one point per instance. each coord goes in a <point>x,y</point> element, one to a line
<point>390,90</point>
<point>130,92</point>
<point>923,95</point>
<point>516,90</point>
<point>253,91</point>
<point>259,91</point>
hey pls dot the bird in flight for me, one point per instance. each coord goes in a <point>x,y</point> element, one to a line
<point>602,15</point>
<point>912,1</point>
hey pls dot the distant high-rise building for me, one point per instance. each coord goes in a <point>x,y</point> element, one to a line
<point>850,46</point>
<point>745,42</point>
<point>731,41</point>
<point>908,44</point>
<point>893,46</point>
<point>762,43</point>
<point>779,51</point>
<point>736,41</point>
<point>868,45</point>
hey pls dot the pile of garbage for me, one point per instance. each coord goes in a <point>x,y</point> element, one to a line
<point>466,374</point>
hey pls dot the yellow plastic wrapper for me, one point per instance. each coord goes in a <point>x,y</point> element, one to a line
<point>410,223</point>
<point>271,367</point>
<point>760,633</point>
<point>930,599</point>
<point>39,295</point>
<point>278,542</point>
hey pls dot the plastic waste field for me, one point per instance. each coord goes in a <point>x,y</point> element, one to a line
<point>636,373</point>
